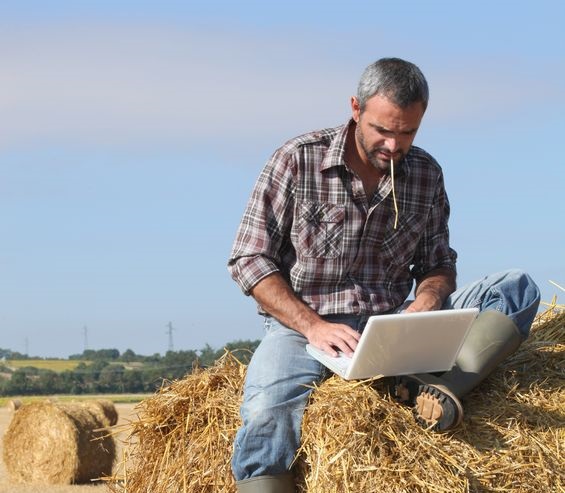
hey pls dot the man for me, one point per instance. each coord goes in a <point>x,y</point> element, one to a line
<point>340,224</point>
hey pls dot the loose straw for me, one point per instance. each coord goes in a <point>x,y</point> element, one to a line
<point>393,192</point>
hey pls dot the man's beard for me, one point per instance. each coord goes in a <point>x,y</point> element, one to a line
<point>372,154</point>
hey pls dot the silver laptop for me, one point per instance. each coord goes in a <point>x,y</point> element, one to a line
<point>403,343</point>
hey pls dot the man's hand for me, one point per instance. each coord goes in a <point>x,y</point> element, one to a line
<point>277,298</point>
<point>330,337</point>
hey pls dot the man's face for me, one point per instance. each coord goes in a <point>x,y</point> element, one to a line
<point>385,130</point>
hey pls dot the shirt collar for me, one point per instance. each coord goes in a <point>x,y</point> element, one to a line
<point>336,150</point>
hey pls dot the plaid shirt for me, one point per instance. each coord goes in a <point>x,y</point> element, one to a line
<point>309,219</point>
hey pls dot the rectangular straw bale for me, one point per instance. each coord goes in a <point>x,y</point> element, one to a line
<point>357,439</point>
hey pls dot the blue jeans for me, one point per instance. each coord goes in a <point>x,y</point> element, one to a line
<point>281,373</point>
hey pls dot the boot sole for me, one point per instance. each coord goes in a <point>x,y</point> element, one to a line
<point>434,405</point>
<point>437,408</point>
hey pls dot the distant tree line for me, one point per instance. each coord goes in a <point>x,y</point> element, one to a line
<point>108,371</point>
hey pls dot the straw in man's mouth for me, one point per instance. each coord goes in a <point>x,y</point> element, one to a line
<point>393,192</point>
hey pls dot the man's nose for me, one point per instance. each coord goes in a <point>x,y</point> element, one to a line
<point>392,144</point>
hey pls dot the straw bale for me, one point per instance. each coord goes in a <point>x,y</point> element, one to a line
<point>58,443</point>
<point>356,438</point>
<point>104,409</point>
<point>109,410</point>
<point>14,404</point>
<point>183,439</point>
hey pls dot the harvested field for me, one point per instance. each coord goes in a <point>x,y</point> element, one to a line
<point>356,438</point>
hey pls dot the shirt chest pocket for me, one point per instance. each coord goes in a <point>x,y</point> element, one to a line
<point>319,229</point>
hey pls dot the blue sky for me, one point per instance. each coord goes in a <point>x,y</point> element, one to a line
<point>131,134</point>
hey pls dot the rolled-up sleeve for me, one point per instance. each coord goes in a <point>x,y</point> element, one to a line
<point>433,250</point>
<point>266,222</point>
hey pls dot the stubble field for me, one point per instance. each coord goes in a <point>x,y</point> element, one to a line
<point>126,413</point>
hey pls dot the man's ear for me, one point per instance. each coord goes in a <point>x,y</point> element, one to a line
<point>355,109</point>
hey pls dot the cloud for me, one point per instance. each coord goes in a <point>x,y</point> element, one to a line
<point>142,86</point>
<point>109,84</point>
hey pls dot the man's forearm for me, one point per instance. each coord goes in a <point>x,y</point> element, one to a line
<point>441,282</point>
<point>433,289</point>
<point>277,298</point>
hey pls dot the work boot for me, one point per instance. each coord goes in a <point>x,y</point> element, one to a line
<point>281,483</point>
<point>436,399</point>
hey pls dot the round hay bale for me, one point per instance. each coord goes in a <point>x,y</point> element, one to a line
<point>104,410</point>
<point>14,404</point>
<point>58,444</point>
<point>109,410</point>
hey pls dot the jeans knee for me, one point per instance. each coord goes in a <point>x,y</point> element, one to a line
<point>527,289</point>
<point>267,442</point>
<point>522,298</point>
<point>257,407</point>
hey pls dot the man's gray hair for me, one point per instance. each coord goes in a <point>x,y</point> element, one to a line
<point>399,81</point>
